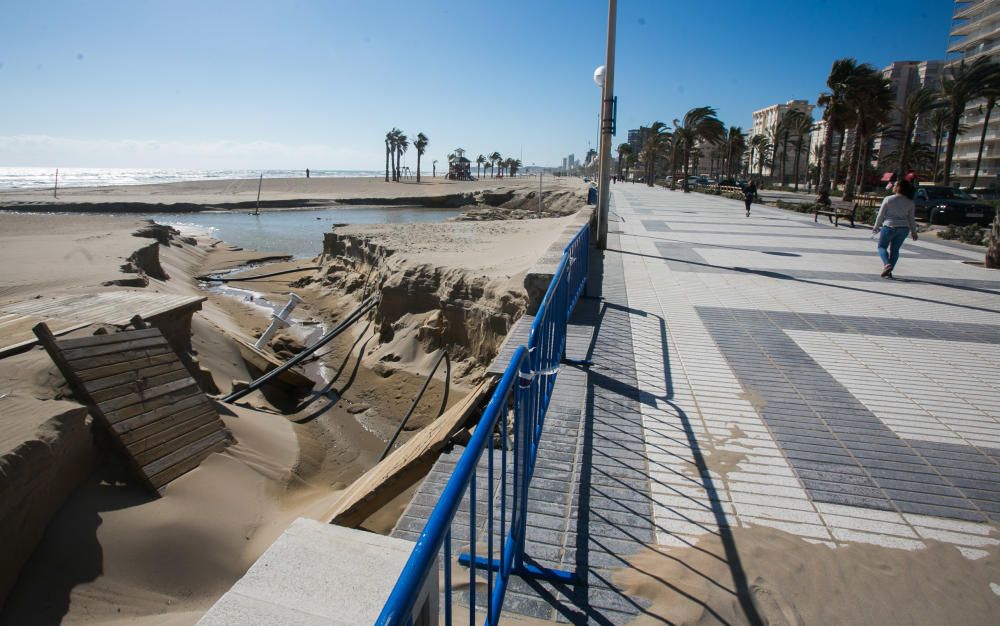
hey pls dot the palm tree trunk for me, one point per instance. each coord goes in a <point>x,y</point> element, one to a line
<point>392,152</point>
<point>824,164</point>
<point>904,155</point>
<point>418,167</point>
<point>990,103</point>
<point>784,159</point>
<point>687,158</point>
<point>840,154</point>
<point>938,136</point>
<point>798,157</point>
<point>852,166</point>
<point>949,150</point>
<point>386,160</point>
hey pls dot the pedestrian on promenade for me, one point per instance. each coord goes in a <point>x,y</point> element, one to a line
<point>749,192</point>
<point>896,218</point>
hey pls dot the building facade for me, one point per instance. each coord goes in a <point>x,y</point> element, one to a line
<point>907,77</point>
<point>765,122</point>
<point>975,33</point>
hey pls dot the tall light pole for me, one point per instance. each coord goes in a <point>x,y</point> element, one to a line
<point>606,80</point>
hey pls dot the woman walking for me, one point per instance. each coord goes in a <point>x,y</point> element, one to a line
<point>895,220</point>
<point>748,195</point>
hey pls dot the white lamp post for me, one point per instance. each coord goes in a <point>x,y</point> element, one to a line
<point>604,76</point>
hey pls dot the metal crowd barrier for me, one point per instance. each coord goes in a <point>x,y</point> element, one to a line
<point>527,383</point>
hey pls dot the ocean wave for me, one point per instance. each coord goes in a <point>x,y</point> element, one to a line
<point>45,178</point>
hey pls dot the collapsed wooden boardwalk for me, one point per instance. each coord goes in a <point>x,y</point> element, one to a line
<point>65,313</point>
<point>143,394</point>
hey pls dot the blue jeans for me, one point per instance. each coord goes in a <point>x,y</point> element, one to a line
<point>891,237</point>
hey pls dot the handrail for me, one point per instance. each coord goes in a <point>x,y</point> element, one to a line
<point>535,366</point>
<point>401,601</point>
<point>354,316</point>
<point>420,394</point>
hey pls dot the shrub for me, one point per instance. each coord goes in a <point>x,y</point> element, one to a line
<point>971,233</point>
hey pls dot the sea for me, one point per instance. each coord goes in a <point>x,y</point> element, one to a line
<point>45,177</point>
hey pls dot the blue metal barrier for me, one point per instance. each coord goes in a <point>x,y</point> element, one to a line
<point>527,383</point>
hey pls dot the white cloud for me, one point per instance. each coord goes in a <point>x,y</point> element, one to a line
<point>47,151</point>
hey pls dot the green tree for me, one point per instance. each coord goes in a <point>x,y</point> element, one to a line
<point>762,144</point>
<point>624,150</point>
<point>801,128</point>
<point>836,112</point>
<point>388,151</point>
<point>699,125</point>
<point>402,144</point>
<point>871,98</point>
<point>494,159</point>
<point>920,102</point>
<point>962,84</point>
<point>991,91</point>
<point>736,145</point>
<point>939,124</point>
<point>421,145</point>
<point>652,149</point>
<point>479,163</point>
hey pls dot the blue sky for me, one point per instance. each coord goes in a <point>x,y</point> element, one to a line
<point>299,83</point>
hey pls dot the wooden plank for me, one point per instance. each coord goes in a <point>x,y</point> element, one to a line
<point>132,375</point>
<point>175,457</point>
<point>128,355</point>
<point>138,386</point>
<point>185,466</point>
<point>95,340</point>
<point>169,427</point>
<point>169,391</point>
<point>114,348</point>
<point>143,361</point>
<point>398,471</point>
<point>145,457</point>
<point>20,346</point>
<point>127,425</point>
<point>155,403</point>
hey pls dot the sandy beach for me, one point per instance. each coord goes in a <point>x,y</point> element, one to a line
<point>110,551</point>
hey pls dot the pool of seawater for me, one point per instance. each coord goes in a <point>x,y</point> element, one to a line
<point>299,233</point>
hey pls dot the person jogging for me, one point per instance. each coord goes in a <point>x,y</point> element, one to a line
<point>749,192</point>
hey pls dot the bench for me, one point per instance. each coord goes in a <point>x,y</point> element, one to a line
<point>836,213</point>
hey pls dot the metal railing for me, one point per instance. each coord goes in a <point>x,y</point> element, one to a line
<point>527,383</point>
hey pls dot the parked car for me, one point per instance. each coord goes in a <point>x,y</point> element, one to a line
<point>945,205</point>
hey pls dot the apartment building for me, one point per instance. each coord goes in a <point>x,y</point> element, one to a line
<point>975,33</point>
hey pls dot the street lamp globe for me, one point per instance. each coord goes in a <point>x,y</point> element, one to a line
<point>599,76</point>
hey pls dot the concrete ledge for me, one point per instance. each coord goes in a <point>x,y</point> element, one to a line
<point>316,573</point>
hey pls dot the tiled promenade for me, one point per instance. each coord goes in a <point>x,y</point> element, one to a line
<point>758,372</point>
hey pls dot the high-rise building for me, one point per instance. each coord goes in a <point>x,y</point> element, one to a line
<point>637,137</point>
<point>907,77</point>
<point>975,33</point>
<point>765,122</point>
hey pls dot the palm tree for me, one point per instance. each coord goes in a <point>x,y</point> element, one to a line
<point>920,102</point>
<point>630,161</point>
<point>388,143</point>
<point>991,91</point>
<point>699,125</point>
<point>789,121</point>
<point>962,84</point>
<point>801,126</point>
<point>736,144</point>
<point>420,144</point>
<point>515,165</point>
<point>624,150</point>
<point>939,122</point>
<point>871,98</point>
<point>836,113</point>
<point>762,144</point>
<point>652,149</point>
<point>494,158</point>
<point>402,144</point>
<point>479,162</point>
